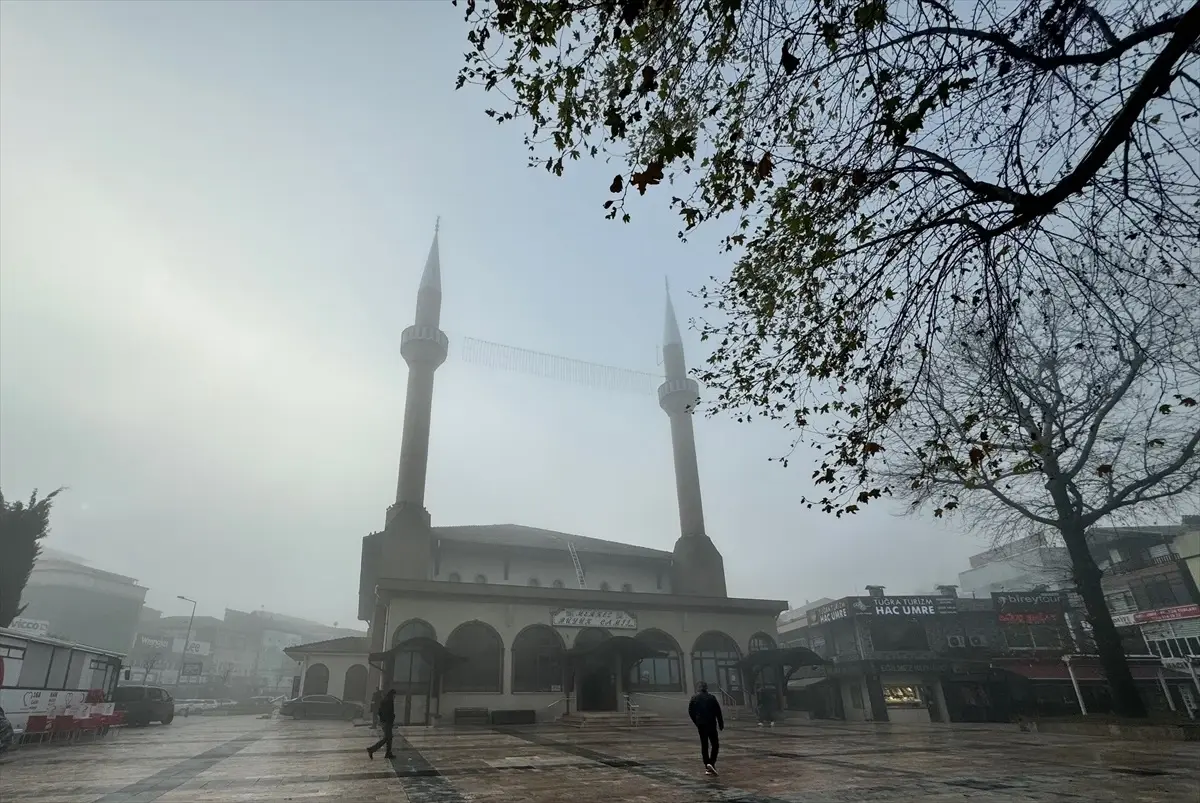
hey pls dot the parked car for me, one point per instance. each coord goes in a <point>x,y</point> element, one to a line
<point>320,706</point>
<point>144,704</point>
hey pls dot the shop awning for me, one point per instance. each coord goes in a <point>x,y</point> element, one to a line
<point>1084,673</point>
<point>804,683</point>
<point>430,649</point>
<point>793,657</point>
<point>630,649</point>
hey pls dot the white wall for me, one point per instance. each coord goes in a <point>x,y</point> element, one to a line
<point>337,665</point>
<point>509,619</point>
<point>468,564</point>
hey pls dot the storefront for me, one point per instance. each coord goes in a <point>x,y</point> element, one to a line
<point>934,690</point>
<point>1075,684</point>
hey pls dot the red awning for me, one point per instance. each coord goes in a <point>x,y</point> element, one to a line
<point>1084,673</point>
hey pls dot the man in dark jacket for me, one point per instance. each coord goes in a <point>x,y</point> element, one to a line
<point>705,713</point>
<point>387,720</point>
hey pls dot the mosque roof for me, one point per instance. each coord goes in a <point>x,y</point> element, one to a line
<point>346,644</point>
<point>518,535</point>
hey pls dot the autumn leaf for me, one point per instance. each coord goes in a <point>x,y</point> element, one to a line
<point>652,175</point>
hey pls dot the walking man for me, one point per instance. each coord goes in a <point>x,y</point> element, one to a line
<point>387,720</point>
<point>705,713</point>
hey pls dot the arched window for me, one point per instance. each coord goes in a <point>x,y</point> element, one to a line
<point>483,650</point>
<point>455,577</point>
<point>481,579</point>
<point>604,586</point>
<point>538,661</point>
<point>559,584</point>
<point>534,582</point>
<point>627,588</point>
<point>316,680</point>
<point>355,687</point>
<point>411,671</point>
<point>657,674</point>
<point>714,661</point>
<point>760,642</point>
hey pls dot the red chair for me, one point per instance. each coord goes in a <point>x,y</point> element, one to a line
<point>113,720</point>
<point>36,727</point>
<point>63,726</point>
<point>89,725</point>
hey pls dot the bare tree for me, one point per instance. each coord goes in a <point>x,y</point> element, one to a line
<point>885,164</point>
<point>1082,420</point>
<point>149,662</point>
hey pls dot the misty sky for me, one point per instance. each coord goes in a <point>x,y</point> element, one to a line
<point>213,217</point>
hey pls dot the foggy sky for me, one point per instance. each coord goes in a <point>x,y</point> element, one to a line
<point>213,218</point>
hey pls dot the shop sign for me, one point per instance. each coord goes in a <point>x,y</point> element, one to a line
<point>1037,601</point>
<point>591,617</point>
<point>151,643</point>
<point>1157,615</point>
<point>193,647</point>
<point>1029,618</point>
<point>905,606</point>
<point>830,612</point>
<point>192,669</point>
<point>31,627</point>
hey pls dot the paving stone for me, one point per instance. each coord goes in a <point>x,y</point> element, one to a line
<point>248,760</point>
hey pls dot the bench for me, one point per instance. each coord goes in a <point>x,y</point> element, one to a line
<point>471,716</point>
<point>514,717</point>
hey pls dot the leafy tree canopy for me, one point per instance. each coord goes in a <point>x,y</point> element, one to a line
<point>23,525</point>
<point>886,167</point>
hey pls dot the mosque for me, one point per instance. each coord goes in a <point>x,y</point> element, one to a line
<point>520,624</point>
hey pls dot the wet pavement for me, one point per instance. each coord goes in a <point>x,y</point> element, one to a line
<point>248,760</point>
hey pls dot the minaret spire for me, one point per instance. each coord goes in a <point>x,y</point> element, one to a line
<point>424,347</point>
<point>698,568</point>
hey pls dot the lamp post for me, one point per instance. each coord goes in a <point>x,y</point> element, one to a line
<point>187,640</point>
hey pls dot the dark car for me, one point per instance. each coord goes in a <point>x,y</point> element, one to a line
<point>320,706</point>
<point>144,704</point>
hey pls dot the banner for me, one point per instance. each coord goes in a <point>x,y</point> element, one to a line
<point>589,617</point>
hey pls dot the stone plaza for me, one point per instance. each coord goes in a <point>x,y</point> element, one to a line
<point>248,760</point>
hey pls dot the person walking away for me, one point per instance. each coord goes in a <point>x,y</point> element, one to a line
<point>387,720</point>
<point>705,713</point>
<point>376,699</point>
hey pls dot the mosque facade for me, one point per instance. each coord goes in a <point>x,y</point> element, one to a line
<point>526,624</point>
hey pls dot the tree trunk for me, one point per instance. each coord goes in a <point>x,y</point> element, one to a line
<point>1126,700</point>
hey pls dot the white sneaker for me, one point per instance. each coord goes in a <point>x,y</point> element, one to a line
<point>710,769</point>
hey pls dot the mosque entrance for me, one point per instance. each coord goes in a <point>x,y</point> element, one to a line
<point>597,689</point>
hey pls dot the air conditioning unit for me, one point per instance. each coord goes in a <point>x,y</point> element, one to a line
<point>956,641</point>
<point>978,641</point>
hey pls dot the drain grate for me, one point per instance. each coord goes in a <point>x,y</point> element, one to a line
<point>981,785</point>
<point>1138,771</point>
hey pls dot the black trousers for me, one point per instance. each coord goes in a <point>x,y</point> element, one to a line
<point>387,726</point>
<point>710,743</point>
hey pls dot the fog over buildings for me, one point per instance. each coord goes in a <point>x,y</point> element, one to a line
<point>213,226</point>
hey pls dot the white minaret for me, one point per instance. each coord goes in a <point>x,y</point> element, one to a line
<point>424,347</point>
<point>698,568</point>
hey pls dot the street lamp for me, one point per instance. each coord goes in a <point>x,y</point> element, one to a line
<point>186,639</point>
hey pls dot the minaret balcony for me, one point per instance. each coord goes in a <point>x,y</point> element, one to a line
<point>678,395</point>
<point>424,344</point>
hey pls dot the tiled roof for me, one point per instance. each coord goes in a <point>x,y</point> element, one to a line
<point>520,536</point>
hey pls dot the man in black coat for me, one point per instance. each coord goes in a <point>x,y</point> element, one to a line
<point>387,721</point>
<point>705,713</point>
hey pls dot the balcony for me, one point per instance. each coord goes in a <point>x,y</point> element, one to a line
<point>1139,562</point>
